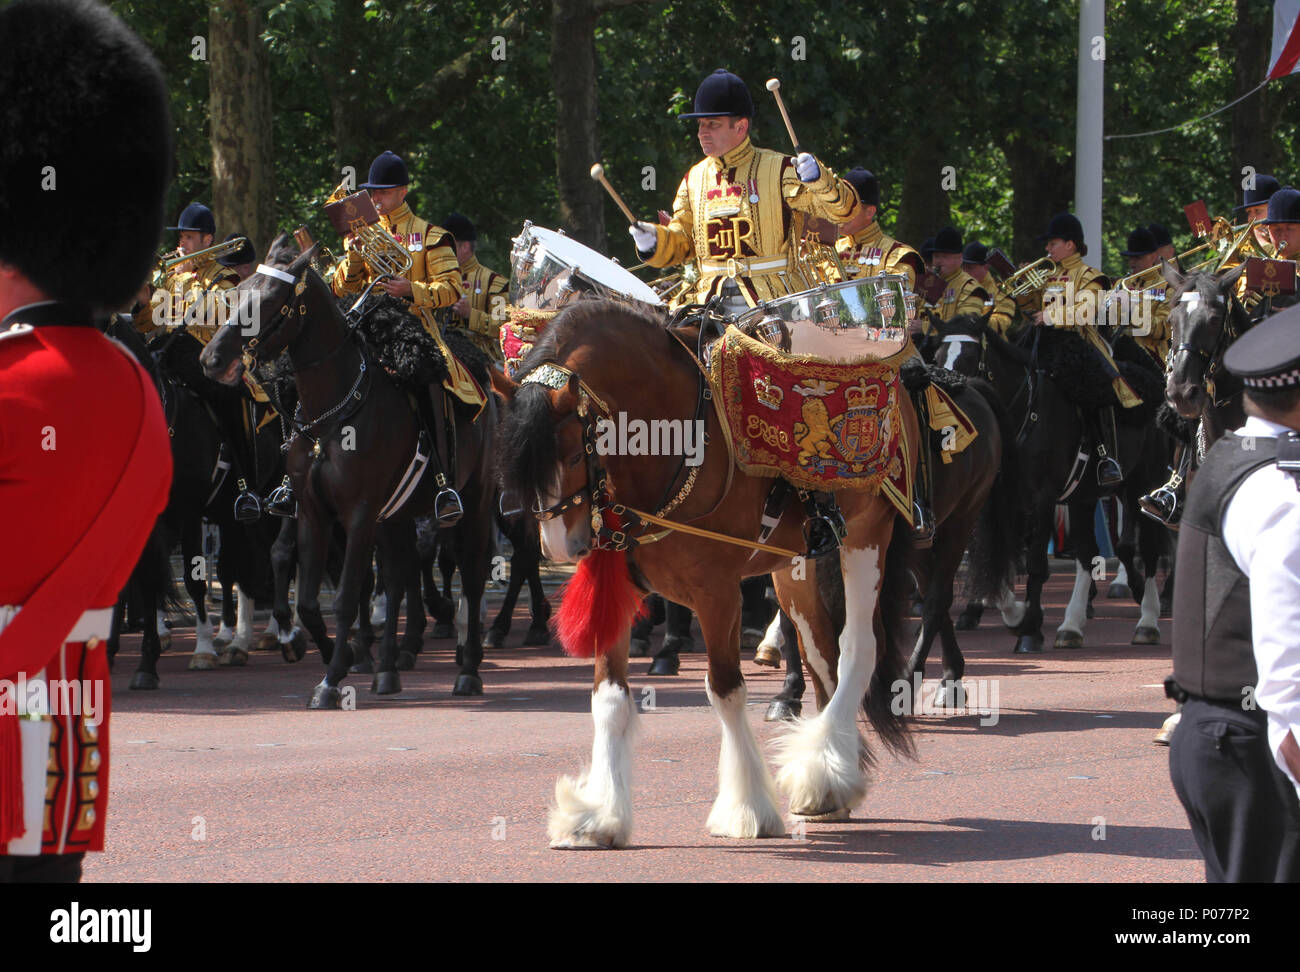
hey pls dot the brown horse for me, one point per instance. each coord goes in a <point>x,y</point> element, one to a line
<point>619,359</point>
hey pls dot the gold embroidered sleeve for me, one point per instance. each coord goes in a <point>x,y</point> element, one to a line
<point>350,274</point>
<point>480,317</point>
<point>828,198</point>
<point>676,241</point>
<point>441,284</point>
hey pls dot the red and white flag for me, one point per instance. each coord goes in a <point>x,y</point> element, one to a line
<point>1285,58</point>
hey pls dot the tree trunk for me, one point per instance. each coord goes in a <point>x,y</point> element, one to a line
<point>243,172</point>
<point>1040,188</point>
<point>924,206</point>
<point>1254,119</point>
<point>573,79</point>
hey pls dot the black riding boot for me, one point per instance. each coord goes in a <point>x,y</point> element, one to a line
<point>1109,473</point>
<point>923,487</point>
<point>1165,503</point>
<point>447,507</point>
<point>643,627</point>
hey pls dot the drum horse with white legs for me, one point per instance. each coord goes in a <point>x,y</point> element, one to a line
<point>642,522</point>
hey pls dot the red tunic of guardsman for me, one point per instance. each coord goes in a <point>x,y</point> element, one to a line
<point>735,211</point>
<point>85,459</point>
<point>85,468</point>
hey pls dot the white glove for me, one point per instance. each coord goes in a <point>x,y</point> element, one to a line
<point>807,168</point>
<point>644,236</point>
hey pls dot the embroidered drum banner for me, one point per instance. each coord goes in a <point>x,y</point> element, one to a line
<point>817,425</point>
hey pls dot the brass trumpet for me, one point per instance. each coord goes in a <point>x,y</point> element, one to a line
<point>1029,279</point>
<point>176,257</point>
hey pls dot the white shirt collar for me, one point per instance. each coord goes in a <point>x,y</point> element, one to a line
<point>1262,427</point>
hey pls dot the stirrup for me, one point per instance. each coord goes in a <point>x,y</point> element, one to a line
<point>1162,504</point>
<point>447,507</point>
<point>823,532</point>
<point>248,505</point>
<point>922,526</point>
<point>282,502</point>
<point>1108,472</point>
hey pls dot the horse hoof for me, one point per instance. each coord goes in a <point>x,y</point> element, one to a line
<point>665,665</point>
<point>405,661</point>
<point>233,657</point>
<point>966,622</point>
<point>1146,636</point>
<point>443,630</point>
<point>639,648</point>
<point>1029,644</point>
<point>767,655</point>
<point>839,815</point>
<point>144,680</point>
<point>1068,639</point>
<point>751,638</point>
<point>220,641</point>
<point>950,695</point>
<point>164,642</point>
<point>364,665</point>
<point>295,648</point>
<point>325,697</point>
<point>537,636</point>
<point>1118,590</point>
<point>494,638</point>
<point>268,642</point>
<point>782,711</point>
<point>203,662</point>
<point>386,683</point>
<point>468,685</point>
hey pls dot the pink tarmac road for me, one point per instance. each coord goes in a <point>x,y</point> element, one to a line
<point>225,776</point>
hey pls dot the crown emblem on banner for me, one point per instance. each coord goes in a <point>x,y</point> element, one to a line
<point>862,396</point>
<point>768,394</point>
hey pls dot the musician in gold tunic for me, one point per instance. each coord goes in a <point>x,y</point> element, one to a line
<point>191,293</point>
<point>864,247</point>
<point>1148,307</point>
<point>432,282</point>
<point>962,293</point>
<point>735,211</point>
<point>1000,308</point>
<point>480,309</point>
<point>1074,298</point>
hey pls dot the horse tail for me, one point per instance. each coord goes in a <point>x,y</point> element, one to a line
<point>995,547</point>
<point>153,573</point>
<point>891,654</point>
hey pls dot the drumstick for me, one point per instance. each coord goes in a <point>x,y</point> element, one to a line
<point>598,173</point>
<point>774,86</point>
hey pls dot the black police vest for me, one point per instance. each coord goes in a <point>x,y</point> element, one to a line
<point>1213,657</point>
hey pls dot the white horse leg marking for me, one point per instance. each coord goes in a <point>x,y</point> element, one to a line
<point>244,622</point>
<point>1076,612</point>
<point>1150,606</point>
<point>821,758</point>
<point>746,804</point>
<point>272,628</point>
<point>772,637</point>
<point>164,632</point>
<point>378,609</point>
<point>203,637</point>
<point>815,660</point>
<point>595,810</point>
<point>1012,611</point>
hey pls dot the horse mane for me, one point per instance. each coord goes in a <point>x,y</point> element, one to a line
<point>527,447</point>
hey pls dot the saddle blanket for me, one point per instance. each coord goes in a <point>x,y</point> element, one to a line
<point>817,425</point>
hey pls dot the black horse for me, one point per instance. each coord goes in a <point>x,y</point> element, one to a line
<point>1055,467</point>
<point>357,438</point>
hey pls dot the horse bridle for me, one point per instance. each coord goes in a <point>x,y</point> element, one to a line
<point>1213,359</point>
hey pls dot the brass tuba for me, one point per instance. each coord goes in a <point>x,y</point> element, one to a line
<point>384,256</point>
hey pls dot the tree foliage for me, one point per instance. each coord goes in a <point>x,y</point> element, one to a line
<point>463,90</point>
